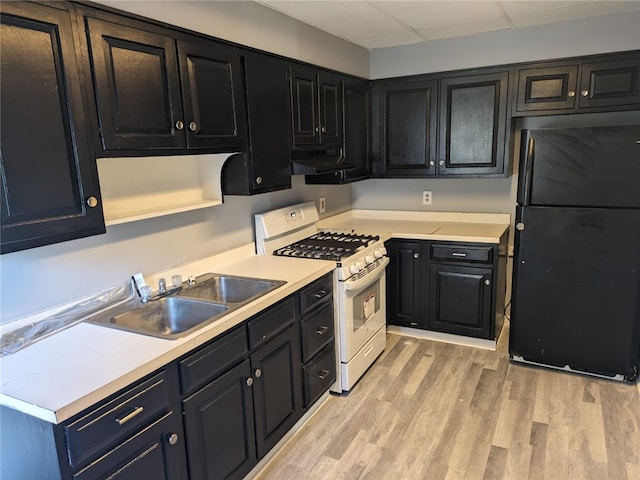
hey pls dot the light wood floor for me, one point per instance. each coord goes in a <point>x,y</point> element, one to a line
<point>428,410</point>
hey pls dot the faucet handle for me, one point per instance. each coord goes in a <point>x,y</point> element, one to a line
<point>191,280</point>
<point>162,285</point>
<point>145,293</point>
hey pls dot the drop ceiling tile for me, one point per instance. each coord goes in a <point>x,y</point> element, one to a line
<point>405,38</point>
<point>525,7</point>
<point>313,11</point>
<point>565,14</point>
<point>420,15</point>
<point>462,29</point>
<point>366,26</point>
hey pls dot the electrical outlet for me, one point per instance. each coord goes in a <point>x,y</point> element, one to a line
<point>322,204</point>
<point>427,197</point>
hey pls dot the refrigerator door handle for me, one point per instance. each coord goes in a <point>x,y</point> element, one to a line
<point>527,153</point>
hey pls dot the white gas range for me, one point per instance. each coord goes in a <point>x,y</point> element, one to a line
<point>359,281</point>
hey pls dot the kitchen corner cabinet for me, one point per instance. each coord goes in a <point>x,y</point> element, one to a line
<point>155,92</point>
<point>316,107</point>
<point>449,287</point>
<point>580,85</point>
<point>267,166</point>
<point>49,181</point>
<point>442,125</point>
<point>407,283</point>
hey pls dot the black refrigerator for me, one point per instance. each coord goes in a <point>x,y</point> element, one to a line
<point>576,284</point>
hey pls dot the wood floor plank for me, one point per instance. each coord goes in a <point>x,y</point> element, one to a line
<point>429,410</point>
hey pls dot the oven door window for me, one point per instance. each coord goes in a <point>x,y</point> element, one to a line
<point>365,305</point>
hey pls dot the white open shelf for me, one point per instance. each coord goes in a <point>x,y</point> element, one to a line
<point>137,188</point>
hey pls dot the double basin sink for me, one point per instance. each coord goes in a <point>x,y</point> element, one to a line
<point>188,308</point>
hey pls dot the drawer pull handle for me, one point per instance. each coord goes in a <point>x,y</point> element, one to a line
<point>323,374</point>
<point>456,254</point>
<point>321,330</point>
<point>126,418</point>
<point>320,293</point>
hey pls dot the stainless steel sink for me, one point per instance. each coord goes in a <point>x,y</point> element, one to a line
<point>229,289</point>
<point>169,317</point>
<point>192,307</point>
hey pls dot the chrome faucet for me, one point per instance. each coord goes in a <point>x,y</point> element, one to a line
<point>162,286</point>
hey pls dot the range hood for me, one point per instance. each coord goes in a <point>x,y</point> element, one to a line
<point>318,162</point>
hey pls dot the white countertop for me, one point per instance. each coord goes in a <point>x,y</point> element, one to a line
<point>63,374</point>
<point>444,226</point>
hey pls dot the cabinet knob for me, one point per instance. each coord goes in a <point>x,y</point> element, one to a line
<point>179,125</point>
<point>258,180</point>
<point>416,255</point>
<point>258,373</point>
<point>193,126</point>
<point>520,226</point>
<point>317,129</point>
<point>571,94</point>
<point>431,163</point>
<point>441,162</point>
<point>92,202</point>
<point>173,439</point>
<point>584,93</point>
<point>324,129</point>
<point>487,282</point>
<point>249,381</point>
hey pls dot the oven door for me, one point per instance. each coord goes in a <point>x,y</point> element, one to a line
<point>362,310</point>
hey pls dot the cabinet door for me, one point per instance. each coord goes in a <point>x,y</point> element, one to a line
<point>219,427</point>
<point>330,96</point>
<point>268,108</point>
<point>606,84</point>
<point>552,88</point>
<point>473,124</point>
<point>49,181</point>
<point>276,368</point>
<point>137,87</point>
<point>304,106</point>
<point>406,113</point>
<point>212,93</point>
<point>156,452</point>
<point>460,300</point>
<point>406,285</point>
<point>357,125</point>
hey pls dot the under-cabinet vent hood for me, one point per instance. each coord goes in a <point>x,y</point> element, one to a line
<point>136,188</point>
<point>317,162</point>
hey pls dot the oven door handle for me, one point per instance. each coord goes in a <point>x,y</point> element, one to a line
<point>355,285</point>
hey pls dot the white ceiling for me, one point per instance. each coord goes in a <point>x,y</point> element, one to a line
<point>379,24</point>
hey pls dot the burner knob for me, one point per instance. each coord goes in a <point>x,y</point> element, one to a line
<point>359,265</point>
<point>378,253</point>
<point>369,259</point>
<point>353,269</point>
<point>383,250</point>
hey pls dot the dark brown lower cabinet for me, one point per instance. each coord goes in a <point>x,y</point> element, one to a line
<point>460,300</point>
<point>277,388</point>
<point>449,287</point>
<point>218,421</point>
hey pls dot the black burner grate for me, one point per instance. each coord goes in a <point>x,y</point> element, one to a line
<point>327,246</point>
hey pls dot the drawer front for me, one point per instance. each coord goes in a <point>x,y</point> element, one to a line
<point>266,325</point>
<point>212,360</point>
<point>315,293</point>
<point>319,374</point>
<point>462,253</point>
<point>118,419</point>
<point>317,331</point>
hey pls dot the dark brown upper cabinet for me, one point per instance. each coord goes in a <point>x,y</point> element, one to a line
<point>547,88</point>
<point>406,116</point>
<point>473,125</point>
<point>49,183</point>
<point>587,84</point>
<point>611,83</point>
<point>316,107</point>
<point>154,92</point>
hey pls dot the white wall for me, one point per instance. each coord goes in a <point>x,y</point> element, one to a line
<point>610,33</point>
<point>40,278</point>
<point>255,25</point>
